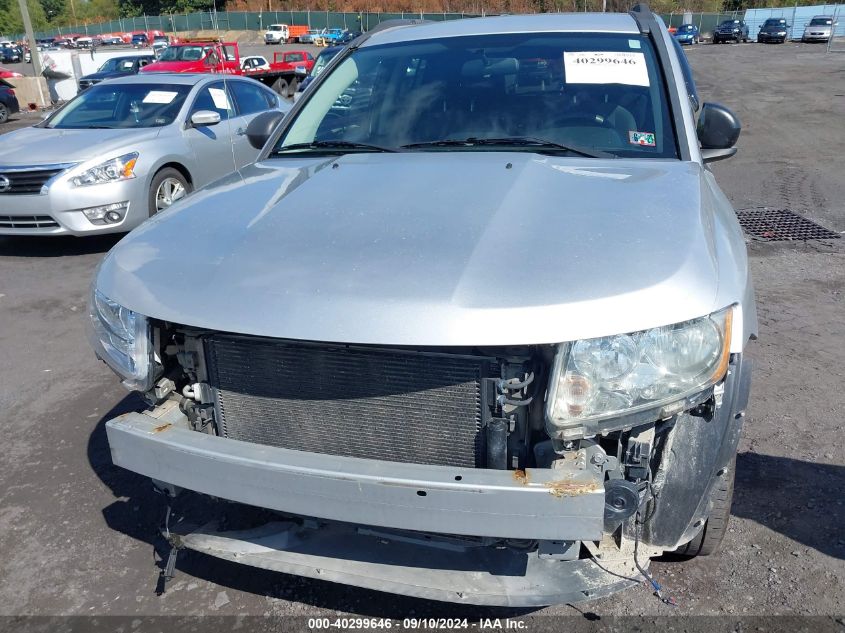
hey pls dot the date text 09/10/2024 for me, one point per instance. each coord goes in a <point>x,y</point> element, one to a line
<point>415,623</point>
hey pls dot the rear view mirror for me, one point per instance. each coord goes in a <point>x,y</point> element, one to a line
<point>262,127</point>
<point>204,118</point>
<point>718,130</point>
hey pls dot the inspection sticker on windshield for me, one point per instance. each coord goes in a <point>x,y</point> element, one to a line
<point>641,138</point>
<point>609,67</point>
<point>160,96</point>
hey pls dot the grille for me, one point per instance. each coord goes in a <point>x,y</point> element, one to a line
<point>780,225</point>
<point>27,181</point>
<point>357,402</point>
<point>27,222</point>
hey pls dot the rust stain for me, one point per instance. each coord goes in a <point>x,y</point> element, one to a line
<point>570,488</point>
<point>161,428</point>
<point>521,477</point>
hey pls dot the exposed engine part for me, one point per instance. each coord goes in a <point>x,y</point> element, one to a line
<point>163,388</point>
<point>622,499</point>
<point>638,453</point>
<point>201,416</point>
<point>497,443</point>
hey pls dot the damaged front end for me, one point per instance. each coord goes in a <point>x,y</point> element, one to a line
<point>519,476</point>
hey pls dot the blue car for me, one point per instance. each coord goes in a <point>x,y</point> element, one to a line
<point>8,101</point>
<point>687,34</point>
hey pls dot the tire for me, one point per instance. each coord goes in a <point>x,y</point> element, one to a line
<point>4,113</point>
<point>293,86</point>
<point>159,185</point>
<point>281,86</point>
<point>708,540</point>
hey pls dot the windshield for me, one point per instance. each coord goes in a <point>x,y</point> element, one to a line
<point>322,60</point>
<point>821,22</point>
<point>119,64</point>
<point>275,27</point>
<point>730,23</point>
<point>775,22</point>
<point>116,106</point>
<point>183,53</point>
<point>597,93</point>
<point>686,27</point>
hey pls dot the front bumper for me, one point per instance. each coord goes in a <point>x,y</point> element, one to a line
<point>815,37</point>
<point>771,37</point>
<point>60,208</point>
<point>537,504</point>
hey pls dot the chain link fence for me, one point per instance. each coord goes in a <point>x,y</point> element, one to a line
<point>797,17</point>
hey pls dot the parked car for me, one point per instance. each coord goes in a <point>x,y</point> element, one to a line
<point>773,30</point>
<point>308,36</point>
<point>254,62</point>
<point>140,40</point>
<point>687,34</point>
<point>346,37</point>
<point>160,42</point>
<point>731,31</point>
<point>506,371</point>
<point>325,56</point>
<point>116,67</point>
<point>819,29</point>
<point>125,149</point>
<point>112,40</point>
<point>10,55</point>
<point>8,103</point>
<point>6,73</point>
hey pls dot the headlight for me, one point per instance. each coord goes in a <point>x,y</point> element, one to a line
<point>121,338</point>
<point>601,378</point>
<point>120,168</point>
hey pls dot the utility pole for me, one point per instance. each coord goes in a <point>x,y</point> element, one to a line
<point>30,38</point>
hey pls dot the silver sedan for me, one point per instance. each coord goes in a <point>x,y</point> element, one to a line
<point>124,150</point>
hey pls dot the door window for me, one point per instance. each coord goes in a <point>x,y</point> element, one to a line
<point>251,98</point>
<point>216,99</point>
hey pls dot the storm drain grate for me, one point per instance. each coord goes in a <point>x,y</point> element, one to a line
<point>781,225</point>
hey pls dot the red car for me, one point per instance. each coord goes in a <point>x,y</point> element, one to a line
<point>291,60</point>
<point>5,73</point>
<point>198,56</point>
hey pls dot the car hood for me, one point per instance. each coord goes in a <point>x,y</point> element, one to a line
<point>36,145</point>
<point>446,248</point>
<point>106,74</point>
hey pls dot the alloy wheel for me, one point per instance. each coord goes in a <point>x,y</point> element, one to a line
<point>169,191</point>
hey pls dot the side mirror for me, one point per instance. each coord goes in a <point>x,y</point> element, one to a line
<point>300,70</point>
<point>204,118</point>
<point>261,127</point>
<point>718,130</point>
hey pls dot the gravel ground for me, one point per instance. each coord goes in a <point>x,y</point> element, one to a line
<point>76,532</point>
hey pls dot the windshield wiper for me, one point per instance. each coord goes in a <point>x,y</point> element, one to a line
<point>518,141</point>
<point>339,145</point>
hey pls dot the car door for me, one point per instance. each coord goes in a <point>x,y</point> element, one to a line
<point>251,99</point>
<point>211,145</point>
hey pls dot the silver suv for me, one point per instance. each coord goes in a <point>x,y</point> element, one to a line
<point>472,328</point>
